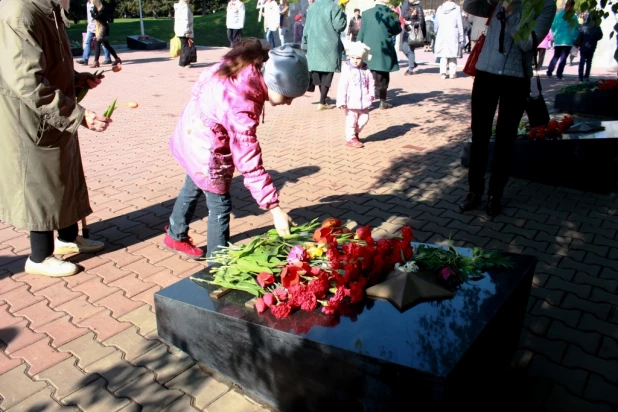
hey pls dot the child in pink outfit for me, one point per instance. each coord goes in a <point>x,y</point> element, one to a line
<point>216,135</point>
<point>355,92</point>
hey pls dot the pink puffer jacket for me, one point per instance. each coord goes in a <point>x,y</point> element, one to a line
<point>216,134</point>
<point>356,87</point>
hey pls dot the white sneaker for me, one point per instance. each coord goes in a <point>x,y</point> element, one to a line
<point>80,245</point>
<point>52,266</point>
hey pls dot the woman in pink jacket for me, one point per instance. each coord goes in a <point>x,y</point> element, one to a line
<point>216,135</point>
<point>356,92</point>
<point>542,48</point>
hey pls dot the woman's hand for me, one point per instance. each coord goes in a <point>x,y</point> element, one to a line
<point>96,122</point>
<point>88,80</point>
<point>281,221</point>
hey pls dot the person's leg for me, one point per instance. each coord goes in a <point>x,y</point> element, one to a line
<point>540,58</point>
<point>452,67</point>
<point>106,54</point>
<point>68,242</point>
<point>86,45</point>
<point>363,118</point>
<point>68,234</point>
<point>230,38</point>
<point>97,51</point>
<point>41,245</point>
<point>485,96</point>
<point>513,95</point>
<point>184,44</point>
<point>443,61</point>
<point>588,57</point>
<point>219,211</point>
<point>323,94</point>
<point>111,50</point>
<point>270,38</point>
<point>564,54</point>
<point>412,59</point>
<point>405,48</point>
<point>184,209</point>
<point>554,61</point>
<point>282,32</point>
<point>351,117</point>
<point>42,261</point>
<point>237,35</point>
<point>580,69</point>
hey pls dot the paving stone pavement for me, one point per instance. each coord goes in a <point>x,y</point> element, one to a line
<point>89,342</point>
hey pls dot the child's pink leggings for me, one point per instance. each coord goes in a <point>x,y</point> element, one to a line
<point>355,120</point>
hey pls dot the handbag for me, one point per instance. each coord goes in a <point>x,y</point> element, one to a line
<point>416,38</point>
<point>175,47</point>
<point>536,108</point>
<point>470,67</point>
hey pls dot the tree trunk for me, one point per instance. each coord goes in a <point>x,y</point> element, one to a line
<point>204,7</point>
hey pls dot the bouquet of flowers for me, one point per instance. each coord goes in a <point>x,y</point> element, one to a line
<point>318,264</point>
<point>452,268</point>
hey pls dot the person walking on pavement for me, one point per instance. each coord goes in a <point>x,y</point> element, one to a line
<point>414,16</point>
<point>183,29</point>
<point>565,30</point>
<point>380,26</point>
<point>354,25</point>
<point>235,21</point>
<point>101,15</point>
<point>542,48</point>
<point>321,40</point>
<point>449,38</point>
<point>590,36</point>
<point>90,34</point>
<point>43,187</point>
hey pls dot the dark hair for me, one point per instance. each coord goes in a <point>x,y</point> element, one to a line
<point>247,51</point>
<point>356,10</point>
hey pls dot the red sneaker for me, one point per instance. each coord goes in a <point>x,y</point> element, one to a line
<point>184,247</point>
<point>355,143</point>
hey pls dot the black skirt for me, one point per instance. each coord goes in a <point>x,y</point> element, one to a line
<point>322,78</point>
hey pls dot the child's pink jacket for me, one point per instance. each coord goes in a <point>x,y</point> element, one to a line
<point>216,134</point>
<point>356,87</point>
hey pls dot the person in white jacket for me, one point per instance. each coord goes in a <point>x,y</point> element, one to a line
<point>449,36</point>
<point>271,21</point>
<point>183,28</point>
<point>235,21</point>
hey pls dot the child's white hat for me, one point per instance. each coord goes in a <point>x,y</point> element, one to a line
<point>358,49</point>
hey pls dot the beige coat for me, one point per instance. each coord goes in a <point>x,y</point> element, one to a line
<point>42,183</point>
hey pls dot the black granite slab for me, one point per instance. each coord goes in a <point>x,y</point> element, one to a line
<point>583,161</point>
<point>433,356</point>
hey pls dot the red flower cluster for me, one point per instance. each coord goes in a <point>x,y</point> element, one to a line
<point>607,84</point>
<point>553,130</point>
<point>354,263</point>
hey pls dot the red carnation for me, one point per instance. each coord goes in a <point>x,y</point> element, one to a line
<point>308,302</point>
<point>260,306</point>
<point>330,309</point>
<point>264,279</point>
<point>319,287</point>
<point>357,291</point>
<point>331,222</point>
<point>384,247</point>
<point>281,310</point>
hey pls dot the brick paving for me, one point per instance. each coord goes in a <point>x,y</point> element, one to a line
<point>89,342</point>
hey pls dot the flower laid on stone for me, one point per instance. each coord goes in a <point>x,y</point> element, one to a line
<point>319,264</point>
<point>553,130</point>
<point>452,268</point>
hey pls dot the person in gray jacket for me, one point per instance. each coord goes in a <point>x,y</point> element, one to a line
<point>502,81</point>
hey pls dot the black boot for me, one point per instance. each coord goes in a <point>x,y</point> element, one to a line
<point>493,205</point>
<point>472,201</point>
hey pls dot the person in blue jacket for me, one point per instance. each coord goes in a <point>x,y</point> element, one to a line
<point>565,30</point>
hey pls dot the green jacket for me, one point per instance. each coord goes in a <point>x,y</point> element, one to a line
<point>321,39</point>
<point>43,185</point>
<point>379,26</point>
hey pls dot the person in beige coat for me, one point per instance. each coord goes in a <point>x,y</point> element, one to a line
<point>43,187</point>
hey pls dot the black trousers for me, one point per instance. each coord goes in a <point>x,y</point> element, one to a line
<point>508,94</point>
<point>188,54</point>
<point>42,243</point>
<point>97,49</point>
<point>234,36</point>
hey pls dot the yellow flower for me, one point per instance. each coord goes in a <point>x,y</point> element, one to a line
<point>342,3</point>
<point>315,252</point>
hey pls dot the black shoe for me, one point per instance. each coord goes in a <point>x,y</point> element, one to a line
<point>493,206</point>
<point>408,73</point>
<point>415,65</point>
<point>472,201</point>
<point>82,62</point>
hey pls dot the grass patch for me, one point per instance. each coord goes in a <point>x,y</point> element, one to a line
<point>209,30</point>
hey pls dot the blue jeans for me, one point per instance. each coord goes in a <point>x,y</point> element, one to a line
<point>408,51</point>
<point>86,54</point>
<point>219,211</point>
<point>585,60</point>
<point>560,58</point>
<point>270,38</point>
